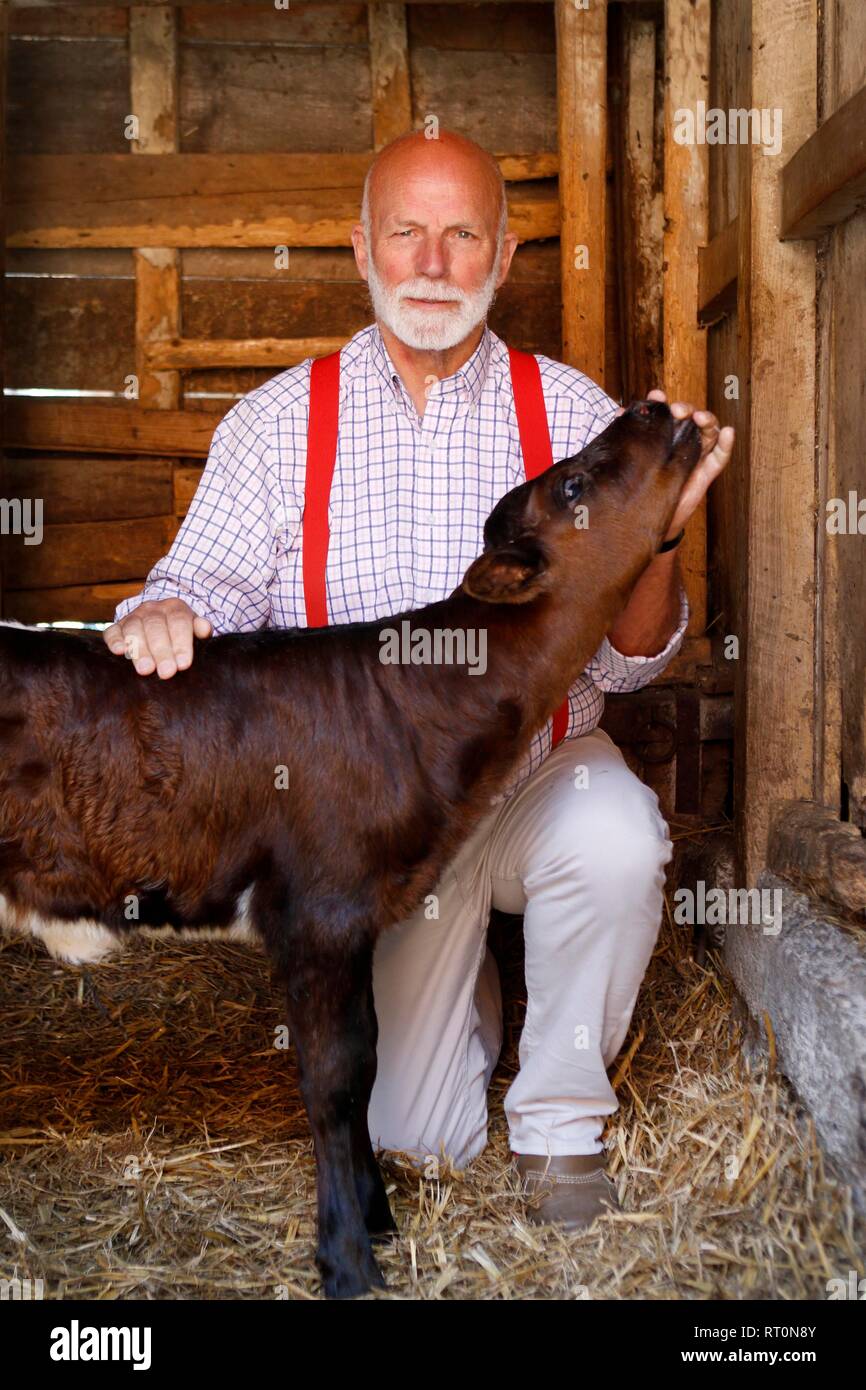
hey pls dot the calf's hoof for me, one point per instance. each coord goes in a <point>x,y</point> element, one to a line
<point>350,1277</point>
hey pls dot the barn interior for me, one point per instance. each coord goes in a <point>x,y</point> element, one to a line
<point>179,184</point>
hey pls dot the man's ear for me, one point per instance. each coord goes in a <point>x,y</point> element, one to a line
<point>513,573</point>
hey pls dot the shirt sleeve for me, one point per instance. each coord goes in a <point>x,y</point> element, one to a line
<point>611,671</point>
<point>222,560</point>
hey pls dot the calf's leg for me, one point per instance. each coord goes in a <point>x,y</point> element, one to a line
<point>329,992</point>
<point>369,1186</point>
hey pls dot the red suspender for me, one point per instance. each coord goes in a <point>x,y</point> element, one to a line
<point>537,453</point>
<point>322,454</point>
<point>321,457</point>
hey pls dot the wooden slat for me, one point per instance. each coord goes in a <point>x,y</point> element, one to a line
<point>717,275</point>
<point>186,480</point>
<point>213,200</point>
<point>92,489</point>
<point>581,69</point>
<point>824,183</point>
<point>687,64</point>
<point>389,72</point>
<point>153,99</point>
<point>776,313</point>
<point>4,29</point>
<point>252,352</point>
<point>88,552</point>
<point>640,208</point>
<point>103,429</point>
<point>83,603</point>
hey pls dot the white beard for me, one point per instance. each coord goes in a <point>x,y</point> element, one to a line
<point>433,329</point>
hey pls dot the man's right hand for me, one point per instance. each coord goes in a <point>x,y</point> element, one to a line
<point>157,636</point>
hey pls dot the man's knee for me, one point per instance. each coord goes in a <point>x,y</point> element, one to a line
<point>616,839</point>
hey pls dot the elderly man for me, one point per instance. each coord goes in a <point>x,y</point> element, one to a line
<point>407,440</point>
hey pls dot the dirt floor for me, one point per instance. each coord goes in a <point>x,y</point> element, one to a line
<point>154,1146</point>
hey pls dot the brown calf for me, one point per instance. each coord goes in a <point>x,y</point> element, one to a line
<point>114,785</point>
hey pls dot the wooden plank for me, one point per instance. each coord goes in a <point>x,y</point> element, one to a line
<point>67,94</point>
<point>92,489</point>
<point>846,636</point>
<point>687,64</point>
<point>68,21</point>
<point>186,480</point>
<point>343,22</point>
<point>4,31</point>
<point>389,72</point>
<point>154,102</point>
<point>207,201</point>
<point>491,28</point>
<point>85,603</point>
<point>581,37</point>
<point>775,689</point>
<point>88,552</point>
<point>717,275</point>
<point>106,429</point>
<point>824,183</point>
<point>69,334</point>
<point>640,207</point>
<point>251,352</point>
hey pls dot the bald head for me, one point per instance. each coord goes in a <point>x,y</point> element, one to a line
<point>451,162</point>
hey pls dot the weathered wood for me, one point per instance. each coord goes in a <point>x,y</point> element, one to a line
<point>92,489</point>
<point>88,552</point>
<point>252,352</point>
<point>87,603</point>
<point>82,96</point>
<point>389,72</point>
<point>4,32</point>
<point>343,22</point>
<point>68,21</point>
<point>581,70</point>
<point>723,96</point>
<point>822,855</point>
<point>68,334</point>
<point>206,200</point>
<point>186,480</point>
<point>717,275</point>
<point>687,63</point>
<point>775,746</point>
<point>824,183</point>
<point>107,429</point>
<point>640,207</point>
<point>154,102</point>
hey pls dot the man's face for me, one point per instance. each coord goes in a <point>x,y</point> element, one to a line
<point>433,259</point>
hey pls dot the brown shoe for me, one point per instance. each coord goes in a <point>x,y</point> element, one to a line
<point>568,1189</point>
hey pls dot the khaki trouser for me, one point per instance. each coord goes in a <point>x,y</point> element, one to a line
<point>582,855</point>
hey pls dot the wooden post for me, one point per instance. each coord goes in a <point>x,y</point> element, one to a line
<point>153,96</point>
<point>686,201</point>
<point>775,456</point>
<point>581,89</point>
<point>4,22</point>
<point>389,72</point>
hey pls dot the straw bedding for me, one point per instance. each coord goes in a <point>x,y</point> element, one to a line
<point>153,1145</point>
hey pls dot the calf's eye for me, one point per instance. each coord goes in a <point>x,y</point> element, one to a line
<point>572,488</point>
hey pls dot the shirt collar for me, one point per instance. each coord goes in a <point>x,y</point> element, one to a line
<point>465,384</point>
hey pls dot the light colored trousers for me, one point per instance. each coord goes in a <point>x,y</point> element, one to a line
<point>582,855</point>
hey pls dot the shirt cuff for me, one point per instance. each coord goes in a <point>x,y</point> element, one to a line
<point>612,671</point>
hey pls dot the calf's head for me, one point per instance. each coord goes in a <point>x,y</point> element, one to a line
<point>595,519</point>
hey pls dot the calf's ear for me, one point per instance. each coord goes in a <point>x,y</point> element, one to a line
<point>513,573</point>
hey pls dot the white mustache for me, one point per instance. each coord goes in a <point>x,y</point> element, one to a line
<point>441,293</point>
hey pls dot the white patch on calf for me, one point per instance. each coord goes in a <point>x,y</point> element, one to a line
<point>77,943</point>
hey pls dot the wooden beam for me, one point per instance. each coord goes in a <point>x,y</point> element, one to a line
<point>391,97</point>
<point>717,275</point>
<point>83,603</point>
<point>187,200</point>
<point>4,28</point>
<point>90,552</point>
<point>824,183</point>
<point>196,353</point>
<point>154,104</point>
<point>581,92</point>
<point>775,688</point>
<point>687,66</point>
<point>107,429</point>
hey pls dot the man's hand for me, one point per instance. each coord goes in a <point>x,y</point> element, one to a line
<point>717,445</point>
<point>157,636</point>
